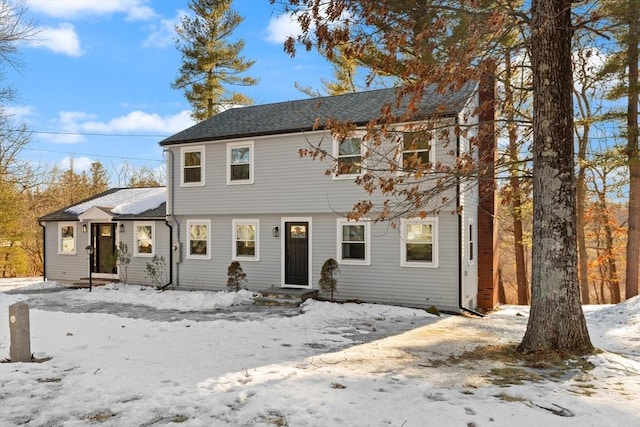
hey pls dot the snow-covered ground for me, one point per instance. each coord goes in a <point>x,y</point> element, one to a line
<point>127,356</point>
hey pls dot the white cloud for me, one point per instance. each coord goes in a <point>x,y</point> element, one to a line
<point>73,124</point>
<point>135,10</point>
<point>80,164</point>
<point>162,34</point>
<point>62,39</point>
<point>17,112</point>
<point>281,27</point>
<point>285,25</point>
<point>140,121</point>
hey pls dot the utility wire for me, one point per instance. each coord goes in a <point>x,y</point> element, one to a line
<point>71,153</point>
<point>88,134</point>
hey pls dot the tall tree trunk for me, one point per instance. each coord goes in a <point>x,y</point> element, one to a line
<point>609,261</point>
<point>633,152</point>
<point>581,199</point>
<point>556,321</point>
<point>514,181</point>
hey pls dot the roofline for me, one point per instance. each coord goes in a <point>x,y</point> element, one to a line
<point>290,131</point>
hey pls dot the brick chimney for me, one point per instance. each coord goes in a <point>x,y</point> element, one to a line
<point>487,219</point>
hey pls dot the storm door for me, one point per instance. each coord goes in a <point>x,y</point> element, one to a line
<point>103,237</point>
<point>296,253</point>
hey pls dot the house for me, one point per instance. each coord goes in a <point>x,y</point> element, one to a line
<point>133,217</point>
<point>238,191</point>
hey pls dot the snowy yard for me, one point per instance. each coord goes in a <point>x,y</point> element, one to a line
<point>124,356</point>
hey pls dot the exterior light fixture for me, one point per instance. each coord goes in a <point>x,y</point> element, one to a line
<point>275,232</point>
<point>84,228</point>
<point>122,227</point>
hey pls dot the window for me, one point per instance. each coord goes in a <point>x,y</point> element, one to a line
<point>240,163</point>
<point>192,166</point>
<point>416,151</point>
<point>245,239</point>
<point>199,237</point>
<point>419,243</point>
<point>353,242</point>
<point>348,154</point>
<point>67,238</point>
<point>144,239</point>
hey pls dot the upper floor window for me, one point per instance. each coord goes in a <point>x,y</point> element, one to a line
<point>144,239</point>
<point>240,163</point>
<point>199,239</point>
<point>416,151</point>
<point>67,238</point>
<point>192,165</point>
<point>348,155</point>
<point>245,239</point>
<point>353,242</point>
<point>419,242</point>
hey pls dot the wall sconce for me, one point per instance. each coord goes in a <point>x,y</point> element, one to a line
<point>275,232</point>
<point>122,227</point>
<point>84,228</point>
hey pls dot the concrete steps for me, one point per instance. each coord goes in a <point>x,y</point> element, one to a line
<point>284,297</point>
<point>84,282</point>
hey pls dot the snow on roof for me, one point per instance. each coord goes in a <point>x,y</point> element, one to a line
<point>128,201</point>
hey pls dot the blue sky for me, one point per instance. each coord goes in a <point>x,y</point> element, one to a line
<point>105,67</point>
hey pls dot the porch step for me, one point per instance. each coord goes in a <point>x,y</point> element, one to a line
<point>84,282</point>
<point>284,297</point>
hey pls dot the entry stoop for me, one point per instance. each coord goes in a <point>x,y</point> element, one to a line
<point>84,282</point>
<point>284,297</point>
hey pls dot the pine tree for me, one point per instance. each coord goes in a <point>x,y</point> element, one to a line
<point>210,63</point>
<point>235,276</point>
<point>328,283</point>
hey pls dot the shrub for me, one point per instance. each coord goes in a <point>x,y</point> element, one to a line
<point>156,271</point>
<point>328,283</point>
<point>235,276</point>
<point>123,258</point>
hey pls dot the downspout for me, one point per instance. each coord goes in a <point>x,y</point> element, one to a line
<point>163,287</point>
<point>460,241</point>
<point>44,251</point>
<point>170,177</point>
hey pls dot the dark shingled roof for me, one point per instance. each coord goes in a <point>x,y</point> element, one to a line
<point>299,116</point>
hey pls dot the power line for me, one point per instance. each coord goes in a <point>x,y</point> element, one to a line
<point>46,132</point>
<point>93,155</point>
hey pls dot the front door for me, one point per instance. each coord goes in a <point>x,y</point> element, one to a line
<point>103,237</point>
<point>296,254</point>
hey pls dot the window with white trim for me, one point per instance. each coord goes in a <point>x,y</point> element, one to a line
<point>144,239</point>
<point>199,239</point>
<point>245,239</point>
<point>348,153</point>
<point>192,159</point>
<point>67,238</point>
<point>240,163</point>
<point>419,242</point>
<point>417,151</point>
<point>353,242</point>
